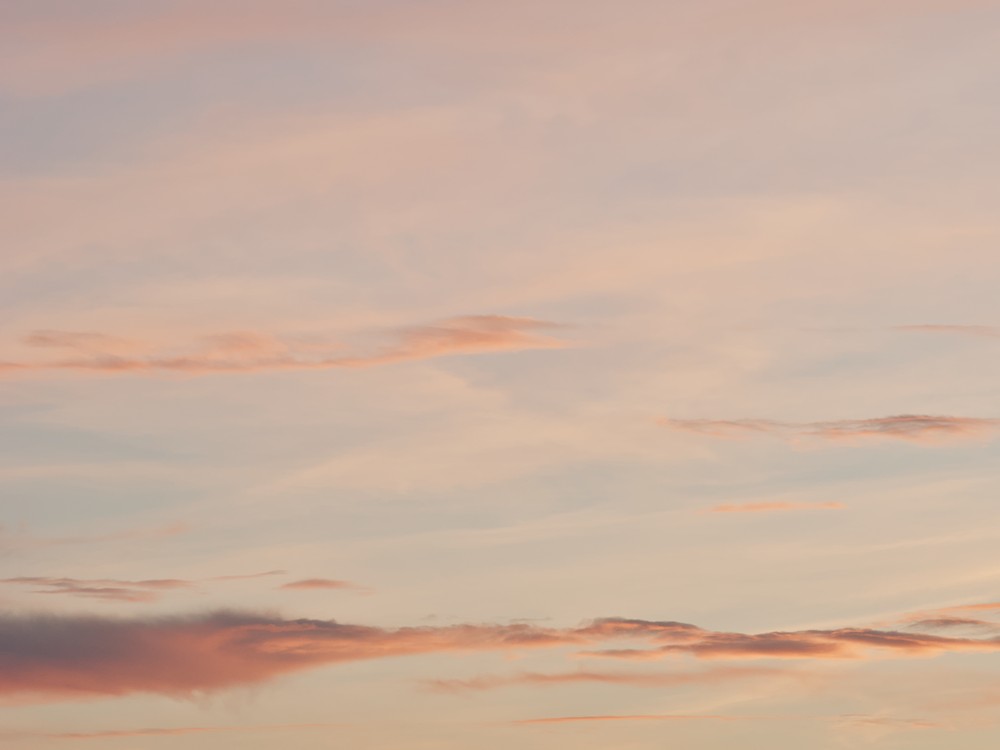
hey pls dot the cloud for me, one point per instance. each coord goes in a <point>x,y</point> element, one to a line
<point>257,352</point>
<point>101,588</point>
<point>112,734</point>
<point>772,507</point>
<point>318,583</point>
<point>634,717</point>
<point>921,428</point>
<point>249,576</point>
<point>46,657</point>
<point>635,679</point>
<point>983,331</point>
<point>111,589</point>
<point>73,657</point>
<point>844,719</point>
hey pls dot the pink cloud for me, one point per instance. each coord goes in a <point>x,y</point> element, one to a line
<point>920,428</point>
<point>77,657</point>
<point>256,352</point>
<point>637,679</point>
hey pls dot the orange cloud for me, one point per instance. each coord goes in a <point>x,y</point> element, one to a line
<point>912,427</point>
<point>255,352</point>
<point>75,657</point>
<point>774,507</point>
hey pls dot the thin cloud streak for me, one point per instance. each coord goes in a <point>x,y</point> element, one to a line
<point>633,679</point>
<point>113,734</point>
<point>257,352</point>
<point>774,507</point>
<point>112,589</point>
<point>312,584</point>
<point>634,717</point>
<point>917,428</point>
<point>992,332</point>
<point>101,588</point>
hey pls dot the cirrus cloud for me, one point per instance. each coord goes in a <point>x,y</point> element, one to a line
<point>917,428</point>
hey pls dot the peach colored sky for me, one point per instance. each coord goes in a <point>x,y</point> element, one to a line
<point>441,374</point>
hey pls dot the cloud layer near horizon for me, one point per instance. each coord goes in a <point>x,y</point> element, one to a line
<point>48,657</point>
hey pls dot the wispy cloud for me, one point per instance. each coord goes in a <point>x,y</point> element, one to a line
<point>774,507</point>
<point>633,717</point>
<point>112,589</point>
<point>19,539</point>
<point>101,588</point>
<point>62,657</point>
<point>992,332</point>
<point>843,719</point>
<point>113,734</point>
<point>318,583</point>
<point>919,428</point>
<point>255,352</point>
<point>635,679</point>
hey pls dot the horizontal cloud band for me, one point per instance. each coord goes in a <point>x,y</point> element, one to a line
<point>85,656</point>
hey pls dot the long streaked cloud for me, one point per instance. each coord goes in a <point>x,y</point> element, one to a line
<point>857,720</point>
<point>773,507</point>
<point>114,734</point>
<point>634,679</point>
<point>632,717</point>
<point>114,589</point>
<point>101,588</point>
<point>255,352</point>
<point>918,428</point>
<point>46,657</point>
<point>313,584</point>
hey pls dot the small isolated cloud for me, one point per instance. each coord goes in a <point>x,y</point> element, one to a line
<point>258,352</point>
<point>992,332</point>
<point>918,428</point>
<point>309,584</point>
<point>774,507</point>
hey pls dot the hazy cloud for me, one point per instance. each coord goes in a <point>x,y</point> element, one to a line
<point>254,352</point>
<point>766,507</point>
<point>911,427</point>
<point>987,331</point>
<point>318,583</point>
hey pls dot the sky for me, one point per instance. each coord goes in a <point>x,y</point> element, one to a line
<point>433,374</point>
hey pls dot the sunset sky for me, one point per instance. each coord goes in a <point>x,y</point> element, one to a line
<point>450,374</point>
